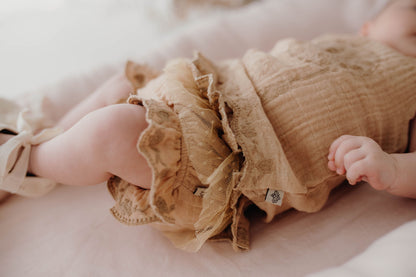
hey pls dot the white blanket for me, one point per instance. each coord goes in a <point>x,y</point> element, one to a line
<point>391,255</point>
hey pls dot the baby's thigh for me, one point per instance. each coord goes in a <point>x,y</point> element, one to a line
<point>117,129</point>
<point>116,125</point>
<point>101,144</point>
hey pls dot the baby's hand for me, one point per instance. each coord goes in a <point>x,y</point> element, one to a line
<point>362,159</point>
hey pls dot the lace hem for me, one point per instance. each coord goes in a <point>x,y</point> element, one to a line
<point>194,158</point>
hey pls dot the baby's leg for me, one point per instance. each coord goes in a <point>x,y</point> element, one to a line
<point>116,88</point>
<point>101,144</point>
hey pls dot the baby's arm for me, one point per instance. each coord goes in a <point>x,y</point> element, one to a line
<point>361,158</point>
<point>101,144</point>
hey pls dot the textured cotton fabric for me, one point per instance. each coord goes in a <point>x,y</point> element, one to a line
<point>221,136</point>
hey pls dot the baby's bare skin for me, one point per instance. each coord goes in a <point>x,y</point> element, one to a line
<point>99,141</point>
<point>362,159</point>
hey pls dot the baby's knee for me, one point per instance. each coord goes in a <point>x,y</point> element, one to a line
<point>117,133</point>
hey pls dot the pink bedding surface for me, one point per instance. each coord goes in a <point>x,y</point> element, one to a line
<point>70,232</point>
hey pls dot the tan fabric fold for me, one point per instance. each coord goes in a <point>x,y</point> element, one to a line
<point>223,136</point>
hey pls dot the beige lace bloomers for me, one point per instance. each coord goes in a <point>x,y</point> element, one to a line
<point>257,130</point>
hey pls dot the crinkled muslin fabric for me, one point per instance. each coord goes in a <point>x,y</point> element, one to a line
<point>256,130</point>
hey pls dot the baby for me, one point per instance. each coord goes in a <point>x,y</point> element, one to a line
<point>361,158</point>
<point>214,139</point>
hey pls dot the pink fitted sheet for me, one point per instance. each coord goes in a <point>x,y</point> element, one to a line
<point>70,232</point>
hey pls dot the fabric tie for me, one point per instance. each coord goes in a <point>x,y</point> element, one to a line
<point>14,155</point>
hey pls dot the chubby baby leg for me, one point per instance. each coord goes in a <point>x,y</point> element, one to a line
<point>100,145</point>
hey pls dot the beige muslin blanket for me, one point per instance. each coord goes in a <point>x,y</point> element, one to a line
<point>257,130</point>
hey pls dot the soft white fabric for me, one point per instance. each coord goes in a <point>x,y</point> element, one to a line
<point>391,255</point>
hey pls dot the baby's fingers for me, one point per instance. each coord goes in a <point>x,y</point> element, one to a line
<point>348,160</point>
<point>343,150</point>
<point>334,146</point>
<point>356,172</point>
<point>353,157</point>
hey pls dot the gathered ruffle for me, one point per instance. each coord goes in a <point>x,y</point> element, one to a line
<point>194,157</point>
